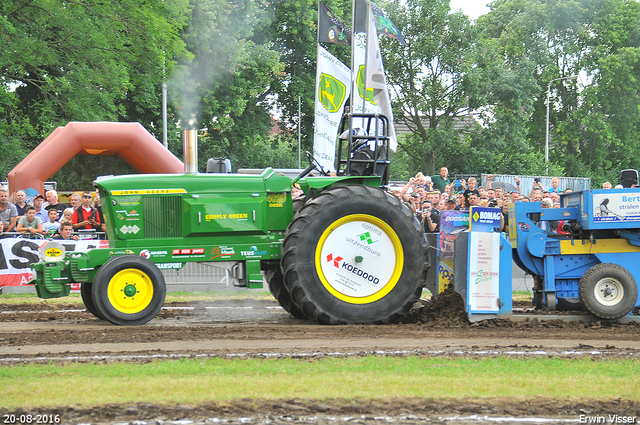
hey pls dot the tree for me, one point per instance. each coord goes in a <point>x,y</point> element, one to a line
<point>433,76</point>
<point>79,61</point>
<point>593,125</point>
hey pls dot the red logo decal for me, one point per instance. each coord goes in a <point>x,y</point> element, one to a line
<point>336,260</point>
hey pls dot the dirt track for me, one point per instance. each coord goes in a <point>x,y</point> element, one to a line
<point>260,328</point>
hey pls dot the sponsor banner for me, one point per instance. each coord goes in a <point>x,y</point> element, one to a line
<point>451,223</point>
<point>484,272</point>
<point>332,91</point>
<point>17,255</point>
<point>484,219</point>
<point>616,207</point>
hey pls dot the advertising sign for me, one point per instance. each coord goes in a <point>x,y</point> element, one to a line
<point>484,272</point>
<point>616,207</point>
<point>451,223</point>
<point>17,255</point>
<point>484,219</point>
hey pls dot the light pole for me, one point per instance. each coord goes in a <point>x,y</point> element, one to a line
<point>546,145</point>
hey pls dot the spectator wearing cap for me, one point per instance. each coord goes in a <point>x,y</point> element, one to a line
<point>548,226</point>
<point>38,201</point>
<point>451,205</point>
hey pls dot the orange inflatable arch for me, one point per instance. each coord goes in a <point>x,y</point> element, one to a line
<point>130,141</point>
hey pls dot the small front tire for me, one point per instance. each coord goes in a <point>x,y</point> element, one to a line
<point>128,290</point>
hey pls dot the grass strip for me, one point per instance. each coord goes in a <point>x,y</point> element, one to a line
<point>195,381</point>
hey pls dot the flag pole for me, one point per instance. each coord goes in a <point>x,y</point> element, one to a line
<point>354,76</point>
<point>366,64</point>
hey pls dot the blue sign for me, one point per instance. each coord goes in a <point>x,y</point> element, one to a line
<point>483,219</point>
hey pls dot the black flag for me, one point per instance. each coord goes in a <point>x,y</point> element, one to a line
<point>383,24</point>
<point>330,28</point>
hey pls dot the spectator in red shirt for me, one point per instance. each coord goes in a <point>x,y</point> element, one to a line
<point>85,216</point>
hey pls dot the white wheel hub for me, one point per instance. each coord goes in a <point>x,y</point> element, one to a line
<point>608,291</point>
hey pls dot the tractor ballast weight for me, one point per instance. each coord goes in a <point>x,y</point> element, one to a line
<point>346,252</point>
<point>596,264</point>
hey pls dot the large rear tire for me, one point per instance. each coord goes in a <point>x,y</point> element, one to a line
<point>608,291</point>
<point>281,294</point>
<point>128,290</point>
<point>354,254</point>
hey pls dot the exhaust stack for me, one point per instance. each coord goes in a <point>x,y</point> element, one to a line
<point>190,152</point>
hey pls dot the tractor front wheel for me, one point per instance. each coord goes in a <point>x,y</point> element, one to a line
<point>128,290</point>
<point>354,254</point>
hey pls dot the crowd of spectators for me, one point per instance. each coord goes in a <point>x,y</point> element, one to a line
<point>50,219</point>
<point>427,196</point>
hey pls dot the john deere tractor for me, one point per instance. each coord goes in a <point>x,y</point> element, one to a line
<point>345,252</point>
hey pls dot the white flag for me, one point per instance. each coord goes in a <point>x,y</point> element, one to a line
<point>332,91</point>
<point>366,53</point>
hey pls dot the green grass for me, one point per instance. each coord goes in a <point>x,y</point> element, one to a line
<point>195,381</point>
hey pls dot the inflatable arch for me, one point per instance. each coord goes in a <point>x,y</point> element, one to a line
<point>130,141</point>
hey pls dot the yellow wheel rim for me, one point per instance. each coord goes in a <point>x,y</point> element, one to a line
<point>359,259</point>
<point>130,291</point>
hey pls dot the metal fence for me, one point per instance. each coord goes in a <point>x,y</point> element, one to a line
<point>83,235</point>
<point>526,182</point>
<point>200,273</point>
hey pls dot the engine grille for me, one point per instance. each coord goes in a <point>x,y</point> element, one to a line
<point>162,216</point>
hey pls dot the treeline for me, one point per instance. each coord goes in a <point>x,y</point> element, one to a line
<point>472,93</point>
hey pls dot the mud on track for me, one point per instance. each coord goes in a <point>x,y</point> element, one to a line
<point>45,332</point>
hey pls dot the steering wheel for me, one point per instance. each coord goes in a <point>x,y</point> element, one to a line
<point>313,165</point>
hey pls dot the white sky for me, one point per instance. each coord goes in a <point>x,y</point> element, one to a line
<point>471,8</point>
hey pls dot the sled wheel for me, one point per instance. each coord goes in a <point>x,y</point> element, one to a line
<point>354,254</point>
<point>128,290</point>
<point>551,301</point>
<point>608,291</point>
<point>85,293</point>
<point>281,294</point>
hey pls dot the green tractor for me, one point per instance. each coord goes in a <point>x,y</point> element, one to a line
<point>345,252</point>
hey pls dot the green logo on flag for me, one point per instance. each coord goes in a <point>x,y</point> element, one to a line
<point>361,86</point>
<point>331,92</point>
